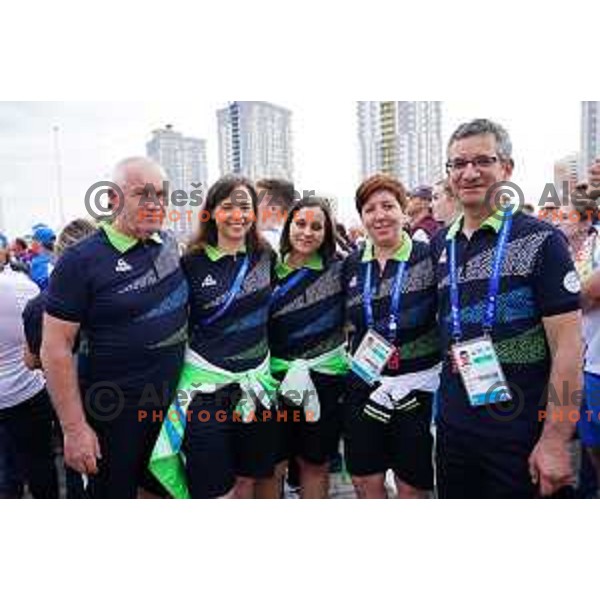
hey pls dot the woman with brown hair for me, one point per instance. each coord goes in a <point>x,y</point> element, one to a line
<point>391,307</point>
<point>307,340</point>
<point>222,424</point>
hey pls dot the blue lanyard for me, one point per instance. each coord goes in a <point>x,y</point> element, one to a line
<point>489,319</point>
<point>231,294</point>
<point>396,297</point>
<point>282,290</point>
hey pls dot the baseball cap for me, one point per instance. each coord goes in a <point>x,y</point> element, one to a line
<point>44,235</point>
<point>424,192</point>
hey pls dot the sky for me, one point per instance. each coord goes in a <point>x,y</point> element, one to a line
<point>96,135</point>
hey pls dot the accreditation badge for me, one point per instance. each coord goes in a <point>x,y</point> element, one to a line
<point>372,356</point>
<point>481,372</point>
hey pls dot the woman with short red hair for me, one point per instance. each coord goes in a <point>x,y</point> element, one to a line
<point>391,307</point>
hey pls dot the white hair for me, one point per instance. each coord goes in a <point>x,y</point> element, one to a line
<point>122,170</point>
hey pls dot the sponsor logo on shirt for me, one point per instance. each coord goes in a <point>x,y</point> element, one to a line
<point>123,266</point>
<point>572,282</point>
<point>209,281</point>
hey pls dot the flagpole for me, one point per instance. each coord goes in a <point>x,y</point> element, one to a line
<point>59,182</point>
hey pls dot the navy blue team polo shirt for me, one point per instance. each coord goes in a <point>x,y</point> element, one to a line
<point>308,320</point>
<point>538,280</point>
<point>130,298</point>
<point>416,339</point>
<point>238,340</point>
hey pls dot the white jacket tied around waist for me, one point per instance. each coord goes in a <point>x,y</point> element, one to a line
<point>393,389</point>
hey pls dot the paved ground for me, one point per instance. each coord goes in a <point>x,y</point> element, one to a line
<point>341,488</point>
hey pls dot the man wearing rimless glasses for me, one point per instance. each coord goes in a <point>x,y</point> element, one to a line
<point>509,296</point>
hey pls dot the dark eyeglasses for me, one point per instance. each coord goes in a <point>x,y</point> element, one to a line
<point>479,162</point>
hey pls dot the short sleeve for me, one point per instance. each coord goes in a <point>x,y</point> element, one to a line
<point>69,290</point>
<point>556,284</point>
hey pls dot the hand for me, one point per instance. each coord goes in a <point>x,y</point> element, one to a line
<point>82,449</point>
<point>550,466</point>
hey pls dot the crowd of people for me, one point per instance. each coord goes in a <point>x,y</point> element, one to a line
<point>449,340</point>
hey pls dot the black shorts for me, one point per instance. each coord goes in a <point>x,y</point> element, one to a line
<point>219,447</point>
<point>404,445</point>
<point>314,442</point>
<point>473,467</point>
<point>127,423</point>
<point>126,444</point>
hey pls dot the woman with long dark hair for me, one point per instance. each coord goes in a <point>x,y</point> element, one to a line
<point>307,341</point>
<point>223,422</point>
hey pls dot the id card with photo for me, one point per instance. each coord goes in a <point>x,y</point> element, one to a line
<point>481,372</point>
<point>372,356</point>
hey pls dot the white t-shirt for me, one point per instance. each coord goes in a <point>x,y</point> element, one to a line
<point>17,382</point>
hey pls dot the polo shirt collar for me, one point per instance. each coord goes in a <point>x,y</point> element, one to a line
<point>123,242</point>
<point>403,254</point>
<point>494,222</point>
<point>283,269</point>
<point>215,253</point>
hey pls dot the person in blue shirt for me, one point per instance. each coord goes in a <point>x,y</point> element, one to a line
<point>42,249</point>
<point>33,314</point>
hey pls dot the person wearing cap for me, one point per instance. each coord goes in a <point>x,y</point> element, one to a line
<point>422,225</point>
<point>509,296</point>
<point>42,263</point>
<point>26,452</point>
<point>33,314</point>
<point>123,291</point>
